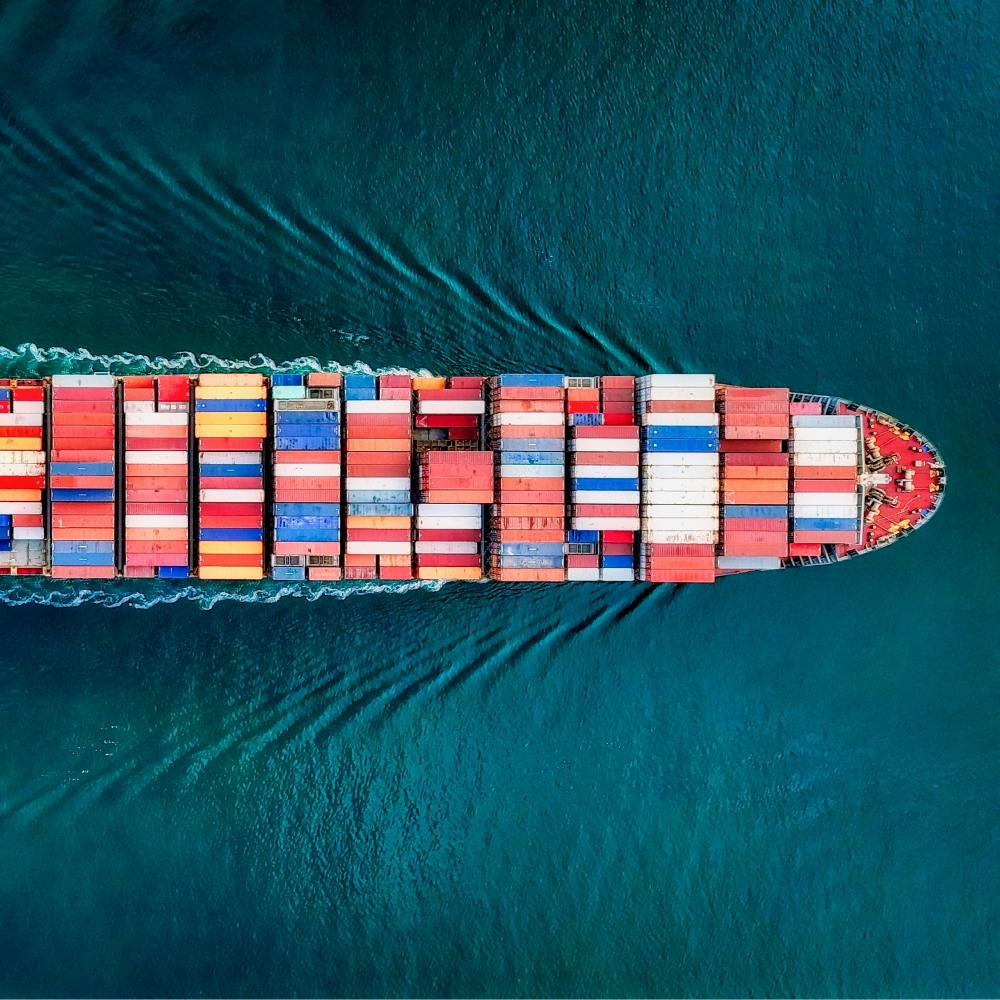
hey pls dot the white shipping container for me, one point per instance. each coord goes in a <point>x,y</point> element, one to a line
<point>617,575</point>
<point>584,575</point>
<point>27,406</point>
<point>451,406</point>
<point>680,419</point>
<point>604,472</point>
<point>231,496</point>
<point>656,458</point>
<point>379,548</point>
<point>602,444</point>
<point>686,497</point>
<point>133,456</point>
<point>825,510</point>
<point>156,521</point>
<point>666,474</point>
<point>229,457</point>
<point>377,406</point>
<point>450,509</point>
<point>604,496</point>
<point>22,419</point>
<point>139,406</point>
<point>319,470</point>
<point>821,447</point>
<point>16,457</point>
<point>824,434</point>
<point>22,469</point>
<point>426,521</point>
<point>606,523</point>
<point>103,381</point>
<point>355,482</point>
<point>657,522</point>
<point>531,471</point>
<point>668,394</point>
<point>674,379</point>
<point>655,536</point>
<point>711,511</point>
<point>833,499</point>
<point>808,458</point>
<point>20,507</point>
<point>749,562</point>
<point>522,419</point>
<point>28,534</point>
<point>668,484</point>
<point>447,548</point>
<point>156,419</point>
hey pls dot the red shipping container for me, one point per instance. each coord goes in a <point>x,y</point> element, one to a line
<point>82,572</point>
<point>605,510</point>
<point>161,444</point>
<point>232,521</point>
<point>230,483</point>
<point>28,520</point>
<point>226,444</point>
<point>306,548</point>
<point>826,486</point>
<point>467,382</point>
<point>803,550</point>
<point>452,393</point>
<point>463,434</point>
<point>157,496</point>
<point>825,472</point>
<point>229,559</point>
<point>22,482</point>
<point>228,509</point>
<point>528,392</point>
<point>755,446</point>
<point>394,381</point>
<point>748,392</point>
<point>831,537</point>
<point>582,562</point>
<point>307,457</point>
<point>520,431</point>
<point>449,559</point>
<point>29,393</point>
<point>446,534</point>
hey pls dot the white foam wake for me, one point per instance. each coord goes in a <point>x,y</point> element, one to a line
<point>31,360</point>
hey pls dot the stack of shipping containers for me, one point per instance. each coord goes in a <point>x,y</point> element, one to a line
<point>157,465</point>
<point>456,479</point>
<point>680,478</point>
<point>22,477</point>
<point>755,478</point>
<point>306,476</point>
<point>528,434</point>
<point>379,541</point>
<point>82,476</point>
<point>230,426</point>
<point>603,450</point>
<point>826,461</point>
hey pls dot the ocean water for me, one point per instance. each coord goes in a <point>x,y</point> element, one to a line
<point>782,784</point>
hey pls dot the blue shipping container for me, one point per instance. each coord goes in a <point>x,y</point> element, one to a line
<point>288,574</point>
<point>82,469</point>
<point>231,405</point>
<point>612,485</point>
<point>307,535</point>
<point>756,510</point>
<point>231,535</point>
<point>83,496</point>
<point>306,509</point>
<point>523,380</point>
<point>583,537</point>
<point>173,572</point>
<point>288,378</point>
<point>825,524</point>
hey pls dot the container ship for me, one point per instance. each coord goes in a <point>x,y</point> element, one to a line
<point>319,476</point>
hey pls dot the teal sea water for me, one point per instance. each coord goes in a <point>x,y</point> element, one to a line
<point>784,784</point>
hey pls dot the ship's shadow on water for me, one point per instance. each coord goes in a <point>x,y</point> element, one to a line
<point>262,713</point>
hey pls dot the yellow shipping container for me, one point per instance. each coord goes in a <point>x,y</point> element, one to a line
<point>230,429</point>
<point>428,382</point>
<point>230,378</point>
<point>230,573</point>
<point>229,392</point>
<point>231,417</point>
<point>231,548</point>
<point>449,573</point>
<point>23,444</point>
<point>381,521</point>
<point>19,496</point>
